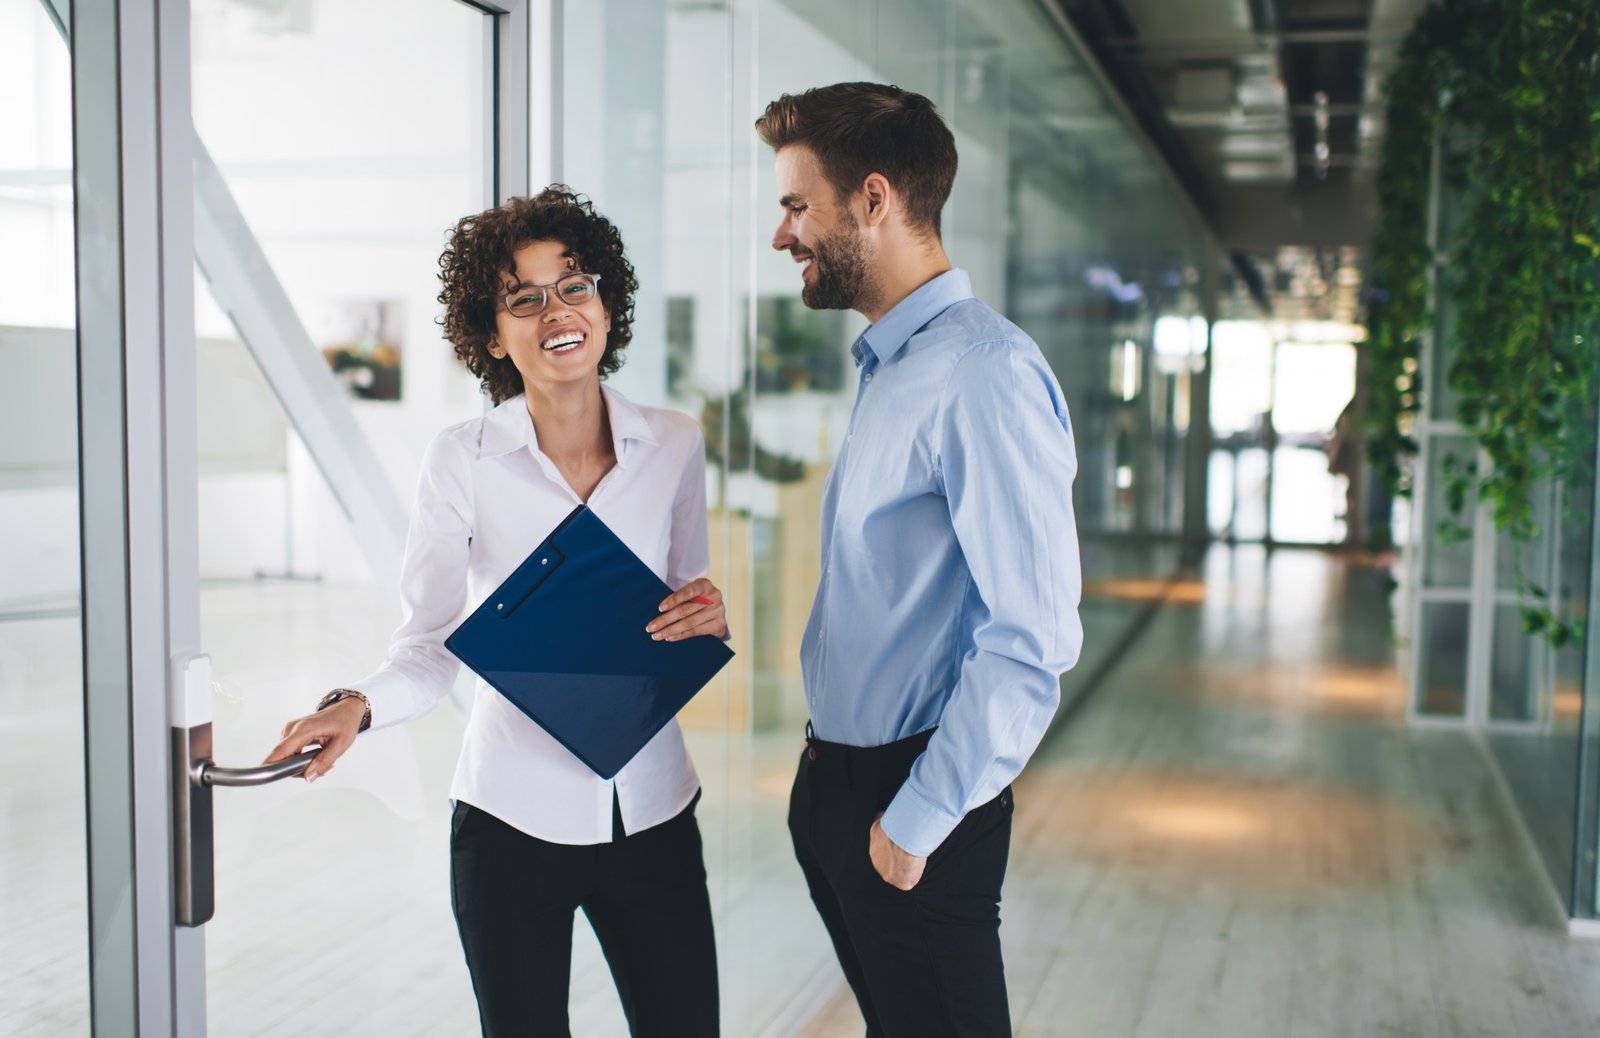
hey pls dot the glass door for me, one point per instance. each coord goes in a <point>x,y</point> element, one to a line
<point>44,912</point>
<point>1239,481</point>
<point>1281,436</point>
<point>339,149</point>
<point>1315,442</point>
<point>229,457</point>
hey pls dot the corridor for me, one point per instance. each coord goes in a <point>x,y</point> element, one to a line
<point>1236,835</point>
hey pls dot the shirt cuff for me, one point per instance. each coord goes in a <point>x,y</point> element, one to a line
<point>388,694</point>
<point>916,824</point>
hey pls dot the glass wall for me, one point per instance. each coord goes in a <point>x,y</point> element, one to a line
<point>1535,694</point>
<point>1065,224</point>
<point>1472,660</point>
<point>311,113</point>
<point>44,918</point>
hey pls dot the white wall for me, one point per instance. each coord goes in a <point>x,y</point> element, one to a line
<point>352,143</point>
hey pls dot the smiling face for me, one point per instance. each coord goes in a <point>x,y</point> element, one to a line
<point>562,345</point>
<point>822,234</point>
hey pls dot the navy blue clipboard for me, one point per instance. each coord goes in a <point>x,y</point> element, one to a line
<point>563,638</point>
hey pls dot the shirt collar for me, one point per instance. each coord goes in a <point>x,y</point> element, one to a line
<point>509,427</point>
<point>913,312</point>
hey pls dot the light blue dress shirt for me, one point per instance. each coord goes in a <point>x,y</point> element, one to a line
<point>950,577</point>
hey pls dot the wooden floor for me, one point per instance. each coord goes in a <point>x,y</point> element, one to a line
<point>1234,836</point>
<point>1237,837</point>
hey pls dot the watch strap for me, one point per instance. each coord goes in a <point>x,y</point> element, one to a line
<point>338,695</point>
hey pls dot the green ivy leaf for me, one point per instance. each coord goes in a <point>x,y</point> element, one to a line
<point>1514,85</point>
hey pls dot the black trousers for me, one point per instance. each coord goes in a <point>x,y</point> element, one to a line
<point>923,963</point>
<point>644,893</point>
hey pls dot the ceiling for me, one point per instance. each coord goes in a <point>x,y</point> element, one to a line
<point>1270,112</point>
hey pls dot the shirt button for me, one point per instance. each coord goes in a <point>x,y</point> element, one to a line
<point>869,376</point>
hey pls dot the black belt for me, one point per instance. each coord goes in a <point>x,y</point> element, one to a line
<point>864,761</point>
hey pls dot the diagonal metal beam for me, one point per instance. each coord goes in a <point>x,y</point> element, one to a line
<point>247,289</point>
<point>244,285</point>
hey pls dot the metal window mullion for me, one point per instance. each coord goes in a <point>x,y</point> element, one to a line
<point>1418,591</point>
<point>1543,676</point>
<point>489,115</point>
<point>1480,622</point>
<point>1585,892</point>
<point>131,139</point>
<point>509,145</point>
<point>1427,431</point>
<point>1270,431</point>
<point>508,34</point>
<point>180,528</point>
<point>1551,578</point>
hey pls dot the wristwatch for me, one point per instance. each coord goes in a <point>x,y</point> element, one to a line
<point>339,695</point>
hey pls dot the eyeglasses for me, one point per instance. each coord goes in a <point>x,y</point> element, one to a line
<point>573,290</point>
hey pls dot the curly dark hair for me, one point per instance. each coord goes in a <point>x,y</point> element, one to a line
<point>482,249</point>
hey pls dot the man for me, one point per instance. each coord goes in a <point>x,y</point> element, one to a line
<point>947,608</point>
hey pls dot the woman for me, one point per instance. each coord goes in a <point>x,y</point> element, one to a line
<point>538,302</point>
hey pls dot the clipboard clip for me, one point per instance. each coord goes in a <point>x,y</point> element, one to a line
<point>526,580</point>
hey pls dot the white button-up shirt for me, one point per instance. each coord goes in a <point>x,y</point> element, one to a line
<point>486,497</point>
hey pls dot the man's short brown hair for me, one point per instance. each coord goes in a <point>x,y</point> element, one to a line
<point>856,129</point>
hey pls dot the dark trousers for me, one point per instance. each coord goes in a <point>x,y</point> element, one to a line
<point>645,895</point>
<point>923,963</point>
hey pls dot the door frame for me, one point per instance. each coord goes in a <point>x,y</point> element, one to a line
<point>144,673</point>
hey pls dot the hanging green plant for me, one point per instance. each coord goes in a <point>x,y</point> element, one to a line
<point>1513,84</point>
<point>1397,312</point>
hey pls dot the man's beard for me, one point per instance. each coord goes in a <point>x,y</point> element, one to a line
<point>843,275</point>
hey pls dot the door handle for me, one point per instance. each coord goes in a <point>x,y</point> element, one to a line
<point>205,773</point>
<point>195,774</point>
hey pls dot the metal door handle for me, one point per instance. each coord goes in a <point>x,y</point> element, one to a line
<point>194,775</point>
<point>205,773</point>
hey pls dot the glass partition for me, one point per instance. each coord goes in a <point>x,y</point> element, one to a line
<point>351,144</point>
<point>665,147</point>
<point>44,918</point>
<point>1475,659</point>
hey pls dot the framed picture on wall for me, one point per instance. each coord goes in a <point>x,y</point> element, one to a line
<point>362,346</point>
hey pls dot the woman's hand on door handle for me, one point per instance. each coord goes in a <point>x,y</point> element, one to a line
<point>333,729</point>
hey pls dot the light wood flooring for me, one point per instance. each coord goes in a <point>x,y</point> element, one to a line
<point>333,913</point>
<point>1234,836</point>
<point>1237,837</point>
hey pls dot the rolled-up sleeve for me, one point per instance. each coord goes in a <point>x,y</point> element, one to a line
<point>419,670</point>
<point>1005,459</point>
